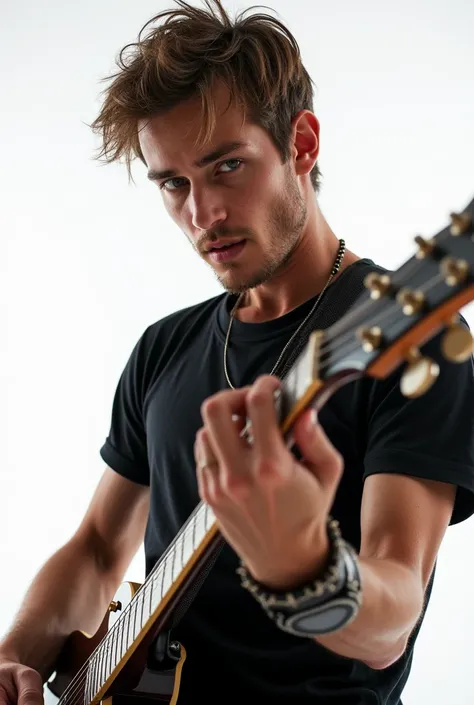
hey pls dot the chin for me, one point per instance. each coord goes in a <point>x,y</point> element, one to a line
<point>237,285</point>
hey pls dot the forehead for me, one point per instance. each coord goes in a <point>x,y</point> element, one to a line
<point>170,140</point>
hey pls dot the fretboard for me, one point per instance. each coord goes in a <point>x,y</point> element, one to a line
<point>141,612</point>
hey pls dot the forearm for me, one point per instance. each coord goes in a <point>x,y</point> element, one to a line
<point>391,604</point>
<point>71,592</point>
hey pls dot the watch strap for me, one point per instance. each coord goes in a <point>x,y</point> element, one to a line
<point>325,604</point>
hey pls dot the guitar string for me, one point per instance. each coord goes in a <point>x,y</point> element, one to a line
<point>161,566</point>
<point>402,272</point>
<point>353,318</point>
<point>388,315</point>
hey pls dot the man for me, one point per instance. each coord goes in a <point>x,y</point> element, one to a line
<point>221,116</point>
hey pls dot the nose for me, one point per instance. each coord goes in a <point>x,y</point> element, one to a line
<point>207,209</point>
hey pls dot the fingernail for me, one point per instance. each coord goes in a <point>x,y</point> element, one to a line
<point>313,417</point>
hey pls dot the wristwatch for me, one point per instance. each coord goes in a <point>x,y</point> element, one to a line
<point>324,605</point>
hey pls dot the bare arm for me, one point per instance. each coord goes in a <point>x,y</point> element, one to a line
<point>403,521</point>
<point>73,589</point>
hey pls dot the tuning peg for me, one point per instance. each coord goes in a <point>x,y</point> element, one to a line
<point>411,301</point>
<point>425,247</point>
<point>371,338</point>
<point>419,375</point>
<point>457,343</point>
<point>460,223</point>
<point>379,284</point>
<point>454,270</point>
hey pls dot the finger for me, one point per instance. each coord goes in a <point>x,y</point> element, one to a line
<point>218,413</point>
<point>203,452</point>
<point>261,409</point>
<point>206,467</point>
<point>320,456</point>
<point>29,686</point>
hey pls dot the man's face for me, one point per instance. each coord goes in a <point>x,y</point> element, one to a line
<point>244,197</point>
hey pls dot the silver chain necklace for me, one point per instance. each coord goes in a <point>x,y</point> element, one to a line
<point>337,265</point>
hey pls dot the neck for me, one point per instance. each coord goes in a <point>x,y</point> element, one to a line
<point>304,275</point>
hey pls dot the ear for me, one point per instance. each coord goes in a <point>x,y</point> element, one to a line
<point>305,147</point>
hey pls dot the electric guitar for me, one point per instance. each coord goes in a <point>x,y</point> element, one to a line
<point>131,656</point>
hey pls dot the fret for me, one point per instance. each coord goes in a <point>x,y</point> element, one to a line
<point>106,651</point>
<point>154,580</point>
<point>178,563</point>
<point>173,563</point>
<point>126,625</point>
<point>88,685</point>
<point>95,674</point>
<point>143,619</point>
<point>186,546</point>
<point>136,623</point>
<point>131,624</point>
<point>193,532</point>
<point>107,646</point>
<point>123,646</point>
<point>163,574</point>
<point>183,544</point>
<point>168,575</point>
<point>95,680</point>
<point>209,517</point>
<point>110,650</point>
<point>200,527</point>
<point>100,668</point>
<point>117,627</point>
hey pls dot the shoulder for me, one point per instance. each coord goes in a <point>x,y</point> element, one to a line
<point>183,317</point>
<point>188,318</point>
<point>162,338</point>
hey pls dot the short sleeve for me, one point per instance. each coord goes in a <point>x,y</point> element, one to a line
<point>430,437</point>
<point>125,448</point>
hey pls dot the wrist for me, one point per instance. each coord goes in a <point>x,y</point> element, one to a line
<point>303,566</point>
<point>323,604</point>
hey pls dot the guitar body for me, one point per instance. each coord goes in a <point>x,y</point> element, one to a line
<point>151,673</point>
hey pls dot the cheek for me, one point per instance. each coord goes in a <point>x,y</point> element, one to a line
<point>175,211</point>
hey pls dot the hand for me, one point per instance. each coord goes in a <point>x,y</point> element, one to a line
<point>19,684</point>
<point>271,508</point>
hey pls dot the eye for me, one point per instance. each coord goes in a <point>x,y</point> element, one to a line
<point>165,185</point>
<point>170,184</point>
<point>238,162</point>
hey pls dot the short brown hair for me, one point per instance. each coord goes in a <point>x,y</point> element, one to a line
<point>256,57</point>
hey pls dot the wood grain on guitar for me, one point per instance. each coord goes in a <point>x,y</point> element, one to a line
<point>131,657</point>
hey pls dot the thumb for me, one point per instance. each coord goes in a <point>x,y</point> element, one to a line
<point>319,454</point>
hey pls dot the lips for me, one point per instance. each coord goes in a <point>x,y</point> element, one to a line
<point>226,252</point>
<point>223,244</point>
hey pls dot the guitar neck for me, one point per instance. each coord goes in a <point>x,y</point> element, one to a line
<point>153,604</point>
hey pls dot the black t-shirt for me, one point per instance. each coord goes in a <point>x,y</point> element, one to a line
<point>235,653</point>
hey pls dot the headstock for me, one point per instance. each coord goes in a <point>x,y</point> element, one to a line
<point>388,324</point>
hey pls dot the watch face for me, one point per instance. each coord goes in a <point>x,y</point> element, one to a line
<point>323,619</point>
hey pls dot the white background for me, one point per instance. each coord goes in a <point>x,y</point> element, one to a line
<point>88,261</point>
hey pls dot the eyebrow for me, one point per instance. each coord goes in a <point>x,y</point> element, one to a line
<point>220,151</point>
